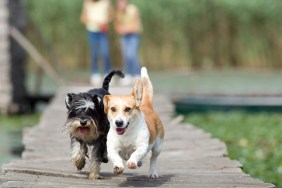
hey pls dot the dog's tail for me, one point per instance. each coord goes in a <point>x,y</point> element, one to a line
<point>147,87</point>
<point>108,78</point>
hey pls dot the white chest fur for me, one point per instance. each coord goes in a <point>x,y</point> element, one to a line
<point>136,137</point>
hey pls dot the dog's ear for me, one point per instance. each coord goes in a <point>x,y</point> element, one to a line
<point>97,101</point>
<point>106,101</point>
<point>137,92</point>
<point>68,99</point>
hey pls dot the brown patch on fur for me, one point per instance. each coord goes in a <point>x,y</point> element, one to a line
<point>152,119</point>
<point>112,105</point>
<point>154,123</point>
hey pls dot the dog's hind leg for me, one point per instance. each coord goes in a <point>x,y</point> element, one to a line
<point>156,150</point>
<point>153,165</point>
<point>104,151</point>
<point>79,151</point>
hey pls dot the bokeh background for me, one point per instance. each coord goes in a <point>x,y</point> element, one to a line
<point>191,48</point>
<point>177,34</point>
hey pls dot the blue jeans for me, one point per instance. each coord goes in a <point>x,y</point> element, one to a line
<point>99,48</point>
<point>130,46</point>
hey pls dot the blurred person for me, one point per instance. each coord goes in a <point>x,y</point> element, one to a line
<point>96,15</point>
<point>128,25</point>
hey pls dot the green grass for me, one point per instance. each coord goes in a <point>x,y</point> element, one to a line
<point>253,139</point>
<point>18,122</point>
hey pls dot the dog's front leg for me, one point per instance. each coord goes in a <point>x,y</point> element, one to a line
<point>96,160</point>
<point>79,151</point>
<point>137,156</point>
<point>116,160</point>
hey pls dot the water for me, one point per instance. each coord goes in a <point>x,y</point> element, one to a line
<point>11,146</point>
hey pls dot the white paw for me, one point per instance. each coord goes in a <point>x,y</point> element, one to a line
<point>131,165</point>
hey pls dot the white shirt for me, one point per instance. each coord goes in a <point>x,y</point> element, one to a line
<point>97,14</point>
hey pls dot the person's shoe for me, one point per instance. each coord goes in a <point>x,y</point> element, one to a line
<point>95,79</point>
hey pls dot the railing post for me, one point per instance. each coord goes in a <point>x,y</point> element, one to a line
<point>17,19</point>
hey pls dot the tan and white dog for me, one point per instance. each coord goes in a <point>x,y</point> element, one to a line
<point>135,128</point>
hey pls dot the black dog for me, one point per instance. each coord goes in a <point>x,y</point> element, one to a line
<point>88,126</point>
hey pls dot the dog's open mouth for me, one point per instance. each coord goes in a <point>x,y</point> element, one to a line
<point>83,130</point>
<point>120,131</point>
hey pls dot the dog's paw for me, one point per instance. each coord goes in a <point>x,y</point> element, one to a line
<point>105,159</point>
<point>79,162</point>
<point>118,170</point>
<point>140,163</point>
<point>131,165</point>
<point>78,158</point>
<point>95,176</point>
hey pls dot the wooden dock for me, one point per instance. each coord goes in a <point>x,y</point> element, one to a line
<point>191,158</point>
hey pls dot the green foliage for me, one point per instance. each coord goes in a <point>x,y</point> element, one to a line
<point>18,122</point>
<point>59,24</point>
<point>58,20</point>
<point>253,139</point>
<point>208,33</point>
<point>178,33</point>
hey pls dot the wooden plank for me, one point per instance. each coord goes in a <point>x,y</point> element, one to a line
<point>169,180</point>
<point>4,48</point>
<point>3,3</point>
<point>5,99</point>
<point>4,14</point>
<point>5,87</point>
<point>190,158</point>
<point>4,28</point>
<point>4,61</point>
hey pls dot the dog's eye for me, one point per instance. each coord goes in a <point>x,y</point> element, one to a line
<point>127,109</point>
<point>113,109</point>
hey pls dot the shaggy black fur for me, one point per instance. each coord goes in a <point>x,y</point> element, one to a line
<point>81,111</point>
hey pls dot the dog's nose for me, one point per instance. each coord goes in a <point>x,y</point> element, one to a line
<point>119,123</point>
<point>83,122</point>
